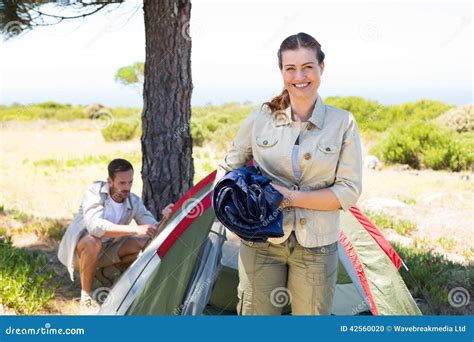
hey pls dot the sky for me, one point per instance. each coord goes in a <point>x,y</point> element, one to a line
<point>389,51</point>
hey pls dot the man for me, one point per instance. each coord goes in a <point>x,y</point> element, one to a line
<point>101,236</point>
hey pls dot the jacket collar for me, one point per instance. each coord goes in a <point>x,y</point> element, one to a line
<point>317,117</point>
<point>105,190</point>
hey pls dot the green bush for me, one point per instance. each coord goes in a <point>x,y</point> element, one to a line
<point>45,110</point>
<point>62,112</point>
<point>369,114</point>
<point>120,131</point>
<point>218,125</point>
<point>426,145</point>
<point>198,134</point>
<point>26,281</point>
<point>373,116</point>
<point>52,104</point>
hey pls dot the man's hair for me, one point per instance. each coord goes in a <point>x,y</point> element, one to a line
<point>118,165</point>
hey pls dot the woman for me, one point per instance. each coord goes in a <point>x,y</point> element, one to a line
<point>312,154</point>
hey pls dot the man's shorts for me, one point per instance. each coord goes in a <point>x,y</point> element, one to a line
<point>109,252</point>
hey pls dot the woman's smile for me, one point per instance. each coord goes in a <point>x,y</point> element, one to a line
<point>302,85</point>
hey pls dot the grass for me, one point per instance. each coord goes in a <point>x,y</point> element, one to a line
<point>42,227</point>
<point>15,214</point>
<point>408,200</point>
<point>56,111</point>
<point>103,159</point>
<point>447,243</point>
<point>402,227</point>
<point>27,285</point>
<point>433,277</point>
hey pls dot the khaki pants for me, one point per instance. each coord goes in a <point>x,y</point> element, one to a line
<point>273,276</point>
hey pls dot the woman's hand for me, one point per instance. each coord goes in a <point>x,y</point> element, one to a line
<point>288,195</point>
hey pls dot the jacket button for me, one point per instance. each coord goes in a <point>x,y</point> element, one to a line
<point>307,156</point>
<point>265,142</point>
<point>328,149</point>
<point>302,221</point>
<point>309,127</point>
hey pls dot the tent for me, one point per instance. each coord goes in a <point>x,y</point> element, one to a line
<point>191,268</point>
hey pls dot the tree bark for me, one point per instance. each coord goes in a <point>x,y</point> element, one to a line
<point>167,168</point>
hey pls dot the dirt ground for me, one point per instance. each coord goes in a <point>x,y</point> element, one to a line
<point>438,202</point>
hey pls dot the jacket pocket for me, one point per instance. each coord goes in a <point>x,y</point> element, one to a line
<point>329,148</point>
<point>266,141</point>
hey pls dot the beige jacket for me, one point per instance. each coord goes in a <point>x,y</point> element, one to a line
<point>329,157</point>
<point>90,217</point>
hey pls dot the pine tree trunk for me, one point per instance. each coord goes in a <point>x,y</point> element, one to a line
<point>167,169</point>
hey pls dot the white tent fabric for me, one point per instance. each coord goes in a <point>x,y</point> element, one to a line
<point>203,279</point>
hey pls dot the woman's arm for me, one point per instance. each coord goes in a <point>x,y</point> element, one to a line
<point>323,199</point>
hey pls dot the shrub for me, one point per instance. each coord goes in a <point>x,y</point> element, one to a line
<point>52,104</point>
<point>461,119</point>
<point>218,124</point>
<point>373,116</point>
<point>198,134</point>
<point>45,110</point>
<point>120,131</point>
<point>96,110</point>
<point>369,114</point>
<point>421,144</point>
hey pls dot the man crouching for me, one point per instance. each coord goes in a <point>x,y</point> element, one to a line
<point>100,236</point>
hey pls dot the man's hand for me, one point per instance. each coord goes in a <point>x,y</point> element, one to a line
<point>167,211</point>
<point>146,230</point>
